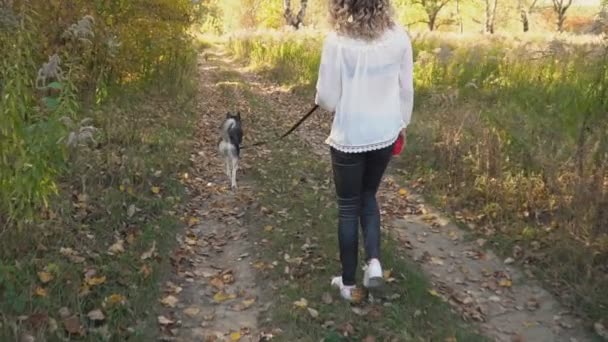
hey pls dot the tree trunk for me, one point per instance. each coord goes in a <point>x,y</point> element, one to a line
<point>490,15</point>
<point>290,19</point>
<point>459,16</point>
<point>561,7</point>
<point>432,21</point>
<point>525,21</point>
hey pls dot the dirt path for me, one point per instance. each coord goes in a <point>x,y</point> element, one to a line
<point>212,294</point>
<point>214,290</point>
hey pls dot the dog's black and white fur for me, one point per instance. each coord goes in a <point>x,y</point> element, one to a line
<point>231,133</point>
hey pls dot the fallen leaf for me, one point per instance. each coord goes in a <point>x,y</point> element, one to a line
<point>72,326</point>
<point>155,190</point>
<point>217,283</point>
<point>45,277</point>
<point>64,312</point>
<point>117,248</point>
<point>228,277</point>
<point>268,229</point>
<point>38,320</point>
<point>600,329</point>
<point>94,281</point>
<point>246,304</point>
<point>451,339</point>
<point>169,301</point>
<point>72,255</point>
<point>114,299</point>
<point>313,313</point>
<point>505,282</point>
<point>359,311</point>
<point>40,292</point>
<point>434,293</point>
<point>145,271</point>
<point>235,336</point>
<point>403,192</point>
<point>302,303</point>
<point>192,221</point>
<point>327,298</point>
<point>357,295</point>
<point>52,326</point>
<point>192,311</point>
<point>509,261</point>
<point>222,297</point>
<point>162,320</point>
<point>369,338</point>
<point>149,253</point>
<point>436,261</point>
<point>347,329</point>
<point>96,315</point>
<point>131,211</point>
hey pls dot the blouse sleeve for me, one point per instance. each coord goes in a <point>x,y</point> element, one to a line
<point>406,83</point>
<point>329,83</point>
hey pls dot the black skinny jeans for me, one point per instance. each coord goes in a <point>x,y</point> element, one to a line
<point>357,177</point>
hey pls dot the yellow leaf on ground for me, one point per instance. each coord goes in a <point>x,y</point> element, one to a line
<point>114,299</point>
<point>222,297</point>
<point>40,292</point>
<point>428,218</point>
<point>248,302</point>
<point>235,336</point>
<point>268,229</point>
<point>94,281</point>
<point>302,303</point>
<point>155,190</point>
<point>434,293</point>
<point>193,221</point>
<point>170,301</point>
<point>45,277</point>
<point>505,283</point>
<point>402,192</point>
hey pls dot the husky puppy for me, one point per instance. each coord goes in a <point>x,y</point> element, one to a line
<point>231,137</point>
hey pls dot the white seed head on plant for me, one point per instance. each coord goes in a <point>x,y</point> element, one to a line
<point>113,45</point>
<point>49,70</point>
<point>81,31</point>
<point>81,134</point>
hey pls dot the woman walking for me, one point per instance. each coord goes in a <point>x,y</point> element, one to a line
<point>366,79</point>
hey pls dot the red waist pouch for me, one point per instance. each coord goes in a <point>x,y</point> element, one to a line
<point>398,147</point>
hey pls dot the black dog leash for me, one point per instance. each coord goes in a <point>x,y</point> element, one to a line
<point>293,128</point>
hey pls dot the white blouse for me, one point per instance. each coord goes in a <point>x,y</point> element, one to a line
<point>369,86</point>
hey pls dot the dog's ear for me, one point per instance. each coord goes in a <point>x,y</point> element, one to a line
<point>238,115</point>
<point>227,115</point>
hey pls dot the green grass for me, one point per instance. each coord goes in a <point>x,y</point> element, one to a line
<point>91,212</point>
<point>296,192</point>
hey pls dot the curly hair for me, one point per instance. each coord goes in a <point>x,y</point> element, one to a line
<point>361,19</point>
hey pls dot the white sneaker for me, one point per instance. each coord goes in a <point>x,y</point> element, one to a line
<point>372,276</point>
<point>346,291</point>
